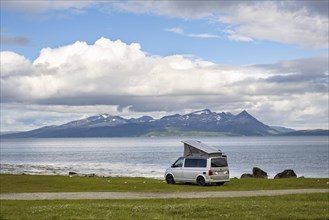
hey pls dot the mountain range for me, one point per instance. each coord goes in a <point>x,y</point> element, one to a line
<point>198,123</point>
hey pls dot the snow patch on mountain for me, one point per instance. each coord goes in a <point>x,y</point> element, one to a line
<point>105,116</point>
<point>202,112</point>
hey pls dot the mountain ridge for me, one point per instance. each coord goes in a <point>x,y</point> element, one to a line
<point>202,123</point>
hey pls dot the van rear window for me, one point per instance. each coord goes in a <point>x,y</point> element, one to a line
<point>195,163</point>
<point>218,162</point>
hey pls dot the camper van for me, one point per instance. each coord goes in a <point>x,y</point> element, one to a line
<point>200,164</point>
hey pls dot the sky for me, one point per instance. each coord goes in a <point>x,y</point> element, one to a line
<point>67,60</point>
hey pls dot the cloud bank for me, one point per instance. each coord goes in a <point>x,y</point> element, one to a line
<point>304,23</point>
<point>122,77</point>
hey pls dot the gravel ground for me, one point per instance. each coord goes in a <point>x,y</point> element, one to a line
<point>143,195</point>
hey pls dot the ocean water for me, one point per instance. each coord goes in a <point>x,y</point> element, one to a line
<point>149,157</point>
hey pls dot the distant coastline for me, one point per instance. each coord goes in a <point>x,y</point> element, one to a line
<point>168,132</point>
<point>315,132</point>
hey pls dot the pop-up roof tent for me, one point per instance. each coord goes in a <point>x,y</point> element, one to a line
<point>196,148</point>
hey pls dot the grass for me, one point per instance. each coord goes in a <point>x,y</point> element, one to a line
<point>302,206</point>
<point>308,206</point>
<point>31,183</point>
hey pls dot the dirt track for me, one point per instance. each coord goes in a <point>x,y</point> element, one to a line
<point>145,195</point>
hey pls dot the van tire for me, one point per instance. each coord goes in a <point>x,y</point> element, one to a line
<point>170,179</point>
<point>201,181</point>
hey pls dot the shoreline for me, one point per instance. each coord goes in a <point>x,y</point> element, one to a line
<point>81,175</point>
<point>92,175</point>
<point>158,173</point>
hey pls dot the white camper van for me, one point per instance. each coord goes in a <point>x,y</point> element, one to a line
<point>200,164</point>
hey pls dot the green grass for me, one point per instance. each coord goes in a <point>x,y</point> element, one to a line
<point>303,206</point>
<point>30,183</point>
<point>308,206</point>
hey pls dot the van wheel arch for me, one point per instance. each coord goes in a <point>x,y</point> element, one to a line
<point>170,179</point>
<point>201,181</point>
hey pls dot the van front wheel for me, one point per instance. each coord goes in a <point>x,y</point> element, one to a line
<point>201,181</point>
<point>170,179</point>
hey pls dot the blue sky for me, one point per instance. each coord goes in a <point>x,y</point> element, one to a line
<point>150,57</point>
<point>151,31</point>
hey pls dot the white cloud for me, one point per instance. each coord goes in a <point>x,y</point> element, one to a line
<point>176,30</point>
<point>233,35</point>
<point>121,76</point>
<point>13,64</point>
<point>267,22</point>
<point>205,35</point>
<point>182,32</point>
<point>111,68</point>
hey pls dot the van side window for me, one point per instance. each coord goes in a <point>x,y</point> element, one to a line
<point>178,163</point>
<point>218,162</point>
<point>195,163</point>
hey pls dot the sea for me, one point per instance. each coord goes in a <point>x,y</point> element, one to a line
<point>150,156</point>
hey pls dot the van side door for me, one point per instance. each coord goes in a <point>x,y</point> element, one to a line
<point>193,168</point>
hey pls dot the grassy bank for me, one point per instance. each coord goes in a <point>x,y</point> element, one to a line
<point>310,206</point>
<point>30,183</point>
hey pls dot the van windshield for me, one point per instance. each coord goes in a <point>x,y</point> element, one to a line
<point>218,162</point>
<point>178,163</point>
